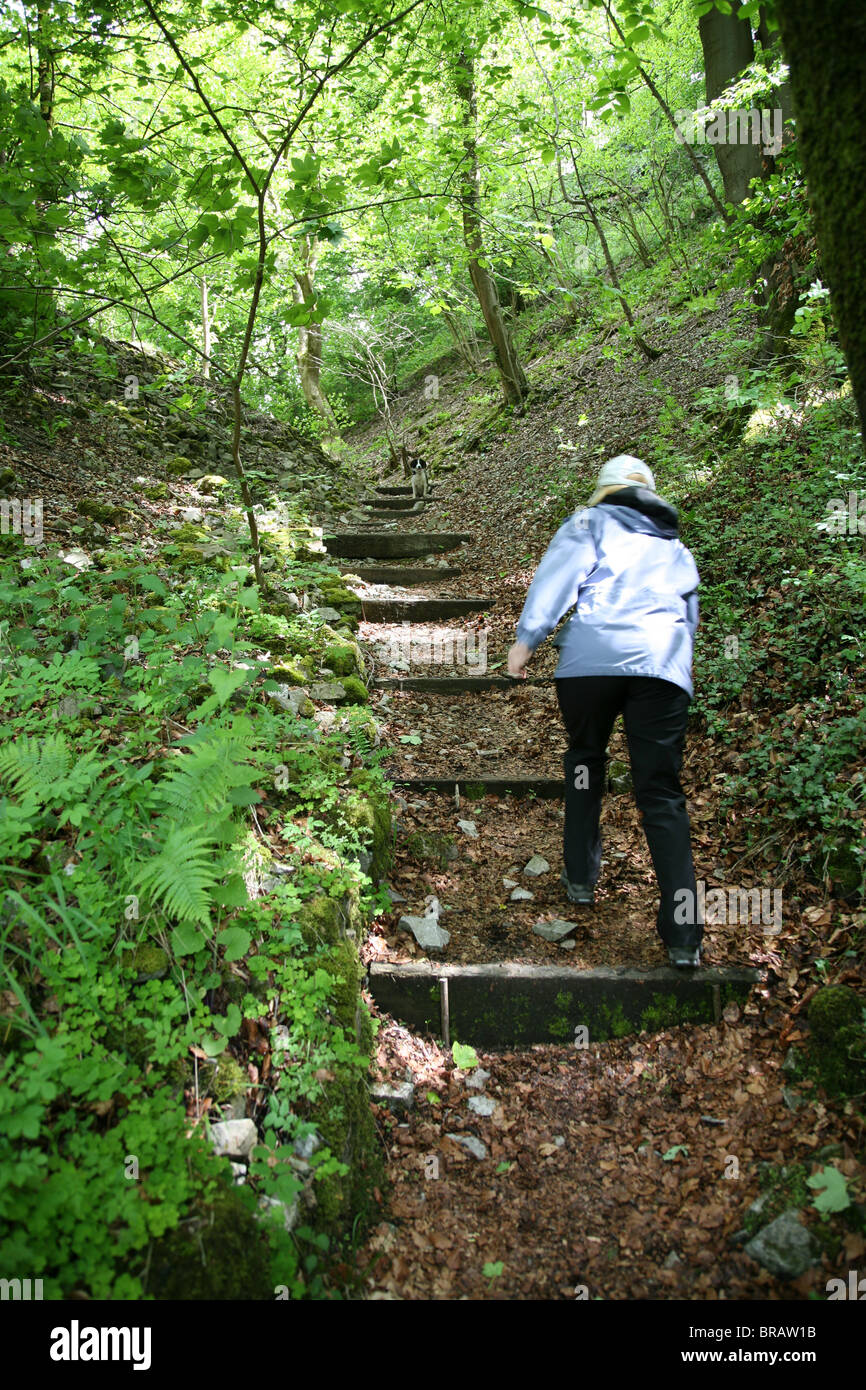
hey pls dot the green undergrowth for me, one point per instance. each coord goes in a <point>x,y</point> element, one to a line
<point>186,865</point>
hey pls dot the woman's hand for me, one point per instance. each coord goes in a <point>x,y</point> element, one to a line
<point>518,657</point>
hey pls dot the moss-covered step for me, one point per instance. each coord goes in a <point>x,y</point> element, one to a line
<point>393,610</point>
<point>400,574</point>
<point>392,545</point>
<point>516,1005</point>
<point>474,788</point>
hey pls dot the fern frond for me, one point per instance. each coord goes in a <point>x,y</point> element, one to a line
<point>201,779</point>
<point>182,874</point>
<point>33,766</point>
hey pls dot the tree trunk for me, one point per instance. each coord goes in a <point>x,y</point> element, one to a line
<point>205,329</point>
<point>514,384</point>
<point>825,45</point>
<point>309,354</point>
<point>728,48</point>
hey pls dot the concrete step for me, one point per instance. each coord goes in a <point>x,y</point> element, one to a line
<point>391,545</point>
<point>400,574</point>
<point>515,1005</point>
<point>395,610</point>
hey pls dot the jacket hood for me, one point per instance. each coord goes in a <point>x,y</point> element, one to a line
<point>638,509</point>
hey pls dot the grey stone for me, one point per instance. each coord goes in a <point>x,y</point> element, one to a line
<point>478,1079</point>
<point>307,1146</point>
<point>509,883</point>
<point>482,1105</point>
<point>399,1097</point>
<point>672,1260</point>
<point>619,777</point>
<point>554,931</point>
<point>328,615</point>
<point>785,1247</point>
<point>522,895</point>
<point>537,866</point>
<point>290,1212</point>
<point>327,690</point>
<point>469,1141</point>
<point>426,931</point>
<point>469,828</point>
<point>234,1138</point>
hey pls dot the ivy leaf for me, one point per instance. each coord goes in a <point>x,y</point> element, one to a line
<point>224,683</point>
<point>187,938</point>
<point>834,1190</point>
<point>464,1056</point>
<point>236,941</point>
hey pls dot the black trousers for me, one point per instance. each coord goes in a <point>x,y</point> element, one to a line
<point>654,713</point>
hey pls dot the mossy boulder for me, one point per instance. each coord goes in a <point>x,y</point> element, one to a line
<point>190,557</point>
<point>212,483</point>
<point>368,811</point>
<point>837,1040</point>
<point>356,691</point>
<point>147,961</point>
<point>158,492</point>
<point>189,534</point>
<point>225,1079</point>
<point>106,513</point>
<point>297,672</point>
<point>343,1117</point>
<point>220,1252</point>
<point>177,465</point>
<point>8,480</point>
<point>336,595</point>
<point>343,658</point>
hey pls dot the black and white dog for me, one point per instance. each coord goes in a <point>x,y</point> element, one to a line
<point>420,480</point>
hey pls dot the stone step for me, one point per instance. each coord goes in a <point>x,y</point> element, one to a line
<point>395,610</point>
<point>400,490</point>
<point>390,516</point>
<point>394,504</point>
<point>516,1005</point>
<point>400,574</point>
<point>388,545</point>
<point>473,788</point>
<point>455,685</point>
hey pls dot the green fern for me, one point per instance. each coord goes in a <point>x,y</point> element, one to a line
<point>34,766</point>
<point>202,779</point>
<point>183,873</point>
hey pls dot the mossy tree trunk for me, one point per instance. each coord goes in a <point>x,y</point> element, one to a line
<point>727,44</point>
<point>825,45</point>
<point>514,384</point>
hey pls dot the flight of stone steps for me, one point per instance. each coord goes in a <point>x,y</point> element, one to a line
<point>511,1003</point>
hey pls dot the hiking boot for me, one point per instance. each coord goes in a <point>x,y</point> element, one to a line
<point>582,893</point>
<point>684,956</point>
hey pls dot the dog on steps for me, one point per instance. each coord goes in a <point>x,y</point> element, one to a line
<point>420,480</point>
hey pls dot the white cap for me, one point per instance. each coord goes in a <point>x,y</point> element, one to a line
<point>615,473</point>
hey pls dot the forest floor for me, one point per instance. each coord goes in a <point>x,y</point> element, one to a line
<point>623,1170</point>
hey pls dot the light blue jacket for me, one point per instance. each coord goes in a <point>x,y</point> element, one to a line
<point>635,587</point>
